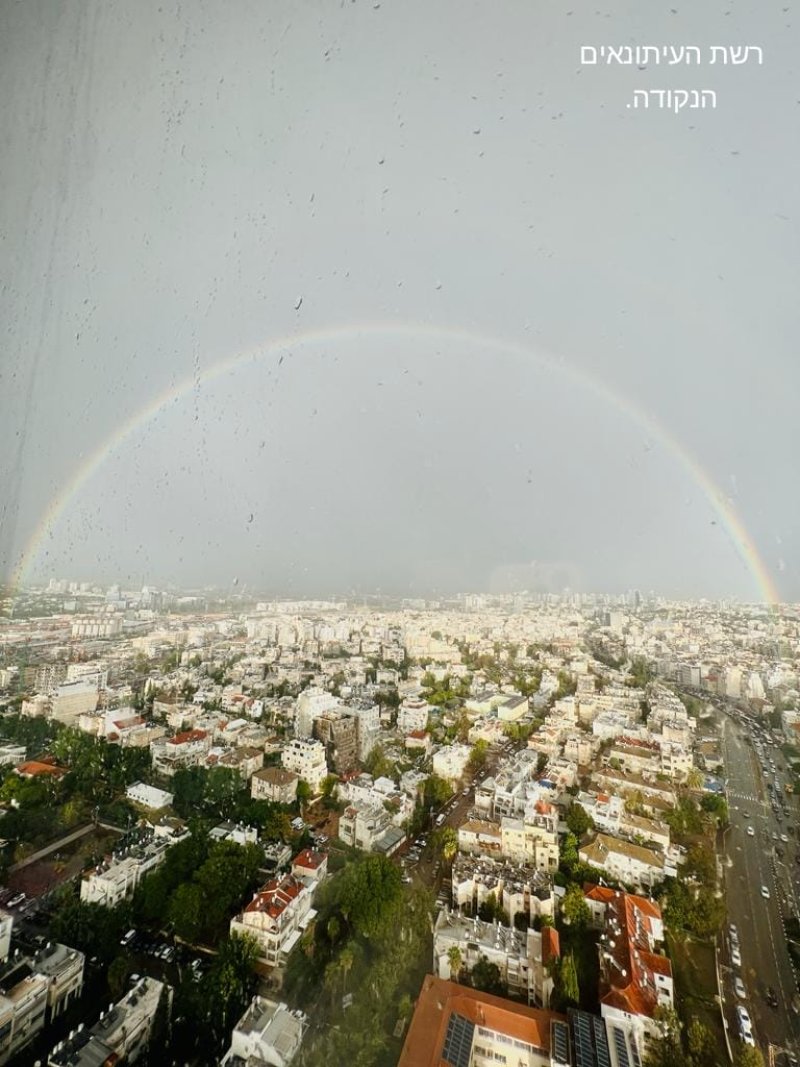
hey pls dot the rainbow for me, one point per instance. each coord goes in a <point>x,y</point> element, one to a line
<point>720,504</point>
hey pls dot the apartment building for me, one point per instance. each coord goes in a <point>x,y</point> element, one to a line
<point>276,918</point>
<point>269,1034</point>
<point>413,715</point>
<point>455,1024</point>
<point>523,957</point>
<point>122,1033</point>
<point>632,864</point>
<point>186,749</point>
<point>635,978</point>
<point>517,888</point>
<point>306,759</point>
<point>338,732</point>
<point>368,826</point>
<point>275,784</point>
<point>116,878</point>
<point>451,761</point>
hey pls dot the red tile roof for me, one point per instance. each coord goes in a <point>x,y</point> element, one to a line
<point>438,1000</point>
<point>186,736</point>
<point>33,768</point>
<point>551,944</point>
<point>309,858</point>
<point>628,979</point>
<point>276,896</point>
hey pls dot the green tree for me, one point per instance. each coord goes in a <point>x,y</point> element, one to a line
<point>567,988</point>
<point>455,961</point>
<point>444,841</point>
<point>486,977</point>
<point>304,794</point>
<point>119,971</point>
<point>702,1045</point>
<point>747,1056</point>
<point>435,791</point>
<point>574,908</point>
<point>229,985</point>
<point>478,756</point>
<point>187,911</point>
<point>579,820</point>
<point>666,1051</point>
<point>368,893</point>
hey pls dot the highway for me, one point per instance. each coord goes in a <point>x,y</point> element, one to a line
<point>751,864</point>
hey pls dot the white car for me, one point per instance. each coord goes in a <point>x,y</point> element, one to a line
<point>765,892</point>
<point>745,1026</point>
<point>736,958</point>
<point>738,985</point>
<point>733,933</point>
<point>785,839</point>
<point>751,832</point>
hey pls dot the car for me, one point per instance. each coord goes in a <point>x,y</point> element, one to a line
<point>15,901</point>
<point>765,892</point>
<point>751,832</point>
<point>785,839</point>
<point>771,997</point>
<point>736,958</point>
<point>738,986</point>
<point>743,1016</point>
<point>733,933</point>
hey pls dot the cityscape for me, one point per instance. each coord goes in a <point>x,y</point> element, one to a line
<point>540,829</point>
<point>399,554</point>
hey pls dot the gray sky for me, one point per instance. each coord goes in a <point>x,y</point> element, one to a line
<point>177,175</point>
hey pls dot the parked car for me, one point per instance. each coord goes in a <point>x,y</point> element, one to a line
<point>738,986</point>
<point>765,892</point>
<point>736,958</point>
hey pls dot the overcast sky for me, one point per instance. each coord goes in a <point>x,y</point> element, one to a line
<point>177,176</point>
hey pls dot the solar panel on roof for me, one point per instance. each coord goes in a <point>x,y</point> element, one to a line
<point>601,1042</point>
<point>457,1049</point>
<point>621,1046</point>
<point>561,1042</point>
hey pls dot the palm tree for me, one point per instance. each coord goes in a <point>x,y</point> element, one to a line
<point>455,960</point>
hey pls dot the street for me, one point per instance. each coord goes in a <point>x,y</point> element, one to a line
<point>751,864</point>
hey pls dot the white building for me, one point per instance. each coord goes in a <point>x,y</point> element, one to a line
<point>450,762</point>
<point>148,796</point>
<point>276,918</point>
<point>267,1035</point>
<point>632,864</point>
<point>122,1033</point>
<point>312,703</point>
<point>413,715</point>
<point>306,759</point>
<point>116,878</point>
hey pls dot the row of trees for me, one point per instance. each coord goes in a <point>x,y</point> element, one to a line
<point>197,888</point>
<point>44,807</point>
<point>357,967</point>
<point>694,1047</point>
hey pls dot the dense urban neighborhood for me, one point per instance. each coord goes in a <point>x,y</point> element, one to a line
<point>533,830</point>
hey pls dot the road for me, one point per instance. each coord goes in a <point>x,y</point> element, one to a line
<point>751,864</point>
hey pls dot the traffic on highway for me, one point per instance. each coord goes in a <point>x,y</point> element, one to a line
<point>758,973</point>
